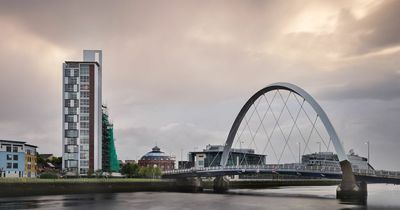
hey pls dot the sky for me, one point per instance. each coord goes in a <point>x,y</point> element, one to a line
<point>176,73</point>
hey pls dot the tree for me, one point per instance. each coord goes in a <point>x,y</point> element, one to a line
<point>130,170</point>
<point>149,172</point>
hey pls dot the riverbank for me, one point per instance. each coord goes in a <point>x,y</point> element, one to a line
<point>33,187</point>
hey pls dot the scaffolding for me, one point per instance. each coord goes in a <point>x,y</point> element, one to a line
<point>110,161</point>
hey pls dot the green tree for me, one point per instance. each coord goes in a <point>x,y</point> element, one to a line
<point>130,170</point>
<point>149,172</point>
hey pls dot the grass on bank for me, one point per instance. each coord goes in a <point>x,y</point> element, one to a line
<point>77,180</point>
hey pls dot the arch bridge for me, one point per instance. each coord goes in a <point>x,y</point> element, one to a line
<point>294,117</point>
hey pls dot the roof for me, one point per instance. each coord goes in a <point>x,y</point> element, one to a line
<point>155,153</point>
<point>12,141</point>
<point>95,62</point>
<point>45,156</point>
<point>30,145</point>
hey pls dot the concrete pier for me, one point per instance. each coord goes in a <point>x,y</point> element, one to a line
<point>221,184</point>
<point>189,184</point>
<point>349,188</point>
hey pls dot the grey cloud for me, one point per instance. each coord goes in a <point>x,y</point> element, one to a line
<point>193,64</point>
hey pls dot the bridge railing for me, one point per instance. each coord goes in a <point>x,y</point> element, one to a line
<point>285,167</point>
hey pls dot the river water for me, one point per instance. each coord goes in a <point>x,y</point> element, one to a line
<point>380,197</point>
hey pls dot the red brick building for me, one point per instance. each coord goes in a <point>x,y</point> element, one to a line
<point>157,158</point>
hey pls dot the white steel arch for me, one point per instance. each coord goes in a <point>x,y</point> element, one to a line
<point>307,97</point>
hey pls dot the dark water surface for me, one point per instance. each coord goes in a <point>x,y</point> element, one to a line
<point>383,197</point>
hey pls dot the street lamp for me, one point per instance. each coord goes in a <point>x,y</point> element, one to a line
<point>319,144</point>
<point>154,168</point>
<point>299,143</point>
<point>367,143</point>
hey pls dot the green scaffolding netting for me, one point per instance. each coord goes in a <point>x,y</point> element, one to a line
<point>110,160</point>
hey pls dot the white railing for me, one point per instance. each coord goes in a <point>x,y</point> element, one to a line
<point>286,167</point>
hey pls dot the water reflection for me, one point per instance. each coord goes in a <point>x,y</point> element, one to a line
<point>308,198</point>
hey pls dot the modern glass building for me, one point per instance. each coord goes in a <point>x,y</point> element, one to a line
<point>211,156</point>
<point>82,114</point>
<point>17,159</point>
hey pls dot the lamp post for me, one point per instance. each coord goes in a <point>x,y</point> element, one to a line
<point>154,168</point>
<point>299,143</point>
<point>319,144</point>
<point>367,143</point>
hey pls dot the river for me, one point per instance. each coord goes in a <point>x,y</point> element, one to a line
<point>380,197</point>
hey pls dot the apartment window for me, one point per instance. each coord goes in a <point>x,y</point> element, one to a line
<point>84,79</point>
<point>29,167</point>
<point>72,110</point>
<point>71,163</point>
<point>71,95</point>
<point>69,88</point>
<point>84,140</point>
<point>84,102</point>
<point>71,148</point>
<point>8,148</point>
<point>84,147</point>
<point>84,110</point>
<point>69,118</point>
<point>72,141</point>
<point>84,87</point>
<point>9,165</point>
<point>71,156</point>
<point>15,149</point>
<point>84,94</point>
<point>76,72</point>
<point>84,125</point>
<point>71,103</point>
<point>9,157</point>
<point>72,65</point>
<point>84,163</point>
<point>15,157</point>
<point>72,80</point>
<point>84,155</point>
<point>71,133</point>
<point>67,72</point>
<point>84,118</point>
<point>72,126</point>
<point>85,69</point>
<point>15,165</point>
<point>84,133</point>
<point>84,170</point>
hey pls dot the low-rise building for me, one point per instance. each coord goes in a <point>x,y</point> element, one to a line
<point>331,159</point>
<point>211,156</point>
<point>17,159</point>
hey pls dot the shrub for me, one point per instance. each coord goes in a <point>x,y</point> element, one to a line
<point>48,176</point>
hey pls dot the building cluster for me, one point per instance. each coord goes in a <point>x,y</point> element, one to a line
<point>17,159</point>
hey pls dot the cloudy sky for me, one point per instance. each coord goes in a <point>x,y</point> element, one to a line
<point>176,73</point>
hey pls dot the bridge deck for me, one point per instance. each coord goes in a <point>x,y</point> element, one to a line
<point>370,176</point>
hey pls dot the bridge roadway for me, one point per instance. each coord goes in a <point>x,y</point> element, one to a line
<point>369,176</point>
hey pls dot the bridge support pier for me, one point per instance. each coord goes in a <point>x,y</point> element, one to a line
<point>349,189</point>
<point>221,184</point>
<point>189,184</point>
<point>358,194</point>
